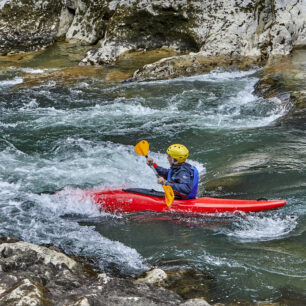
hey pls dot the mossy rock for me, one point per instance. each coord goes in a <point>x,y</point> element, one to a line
<point>189,284</point>
<point>116,75</point>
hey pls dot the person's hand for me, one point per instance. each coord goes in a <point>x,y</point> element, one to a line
<point>150,161</point>
<point>161,180</point>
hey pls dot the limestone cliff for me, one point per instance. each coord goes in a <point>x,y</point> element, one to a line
<point>255,29</point>
<point>247,28</point>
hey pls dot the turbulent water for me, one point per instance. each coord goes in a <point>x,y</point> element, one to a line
<point>71,137</point>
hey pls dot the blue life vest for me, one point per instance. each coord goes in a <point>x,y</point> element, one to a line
<point>195,183</point>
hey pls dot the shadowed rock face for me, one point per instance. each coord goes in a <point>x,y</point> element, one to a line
<point>28,25</point>
<point>230,28</point>
<point>39,275</point>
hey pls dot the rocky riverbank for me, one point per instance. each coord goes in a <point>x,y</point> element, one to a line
<point>43,275</point>
<point>218,34</point>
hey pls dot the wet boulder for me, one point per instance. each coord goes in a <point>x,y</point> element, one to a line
<point>191,64</point>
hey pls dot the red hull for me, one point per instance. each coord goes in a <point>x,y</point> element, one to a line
<point>121,201</point>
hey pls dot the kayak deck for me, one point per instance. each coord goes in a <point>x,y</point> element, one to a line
<point>118,200</point>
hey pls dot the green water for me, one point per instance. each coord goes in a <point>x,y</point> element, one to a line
<point>82,135</point>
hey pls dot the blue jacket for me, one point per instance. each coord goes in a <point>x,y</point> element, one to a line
<point>183,179</point>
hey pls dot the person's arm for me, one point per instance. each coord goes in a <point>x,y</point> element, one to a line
<point>163,172</point>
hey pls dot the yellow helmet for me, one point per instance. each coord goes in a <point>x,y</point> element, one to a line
<point>178,152</point>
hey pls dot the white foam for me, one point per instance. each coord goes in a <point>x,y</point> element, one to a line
<point>44,221</point>
<point>71,201</point>
<point>78,162</point>
<point>30,105</point>
<point>241,110</point>
<point>7,190</point>
<point>12,82</point>
<point>244,111</point>
<point>83,85</point>
<point>218,75</point>
<point>212,260</point>
<point>253,228</point>
<point>8,125</point>
<point>120,108</point>
<point>31,70</point>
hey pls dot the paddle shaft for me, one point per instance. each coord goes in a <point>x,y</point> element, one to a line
<point>151,166</point>
<point>169,196</point>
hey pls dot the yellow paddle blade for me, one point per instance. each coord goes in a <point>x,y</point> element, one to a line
<point>142,148</point>
<point>169,195</point>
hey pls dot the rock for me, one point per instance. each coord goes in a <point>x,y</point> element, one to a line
<point>189,284</point>
<point>26,292</point>
<point>16,59</point>
<point>106,54</point>
<point>141,25</point>
<point>216,28</point>
<point>28,25</point>
<point>217,187</point>
<point>128,62</point>
<point>116,76</point>
<point>153,276</point>
<point>40,275</point>
<point>192,64</point>
<point>195,302</point>
<point>82,302</point>
<point>13,252</point>
<point>289,29</point>
<point>284,78</point>
<point>255,28</point>
<point>88,22</point>
<point>65,21</point>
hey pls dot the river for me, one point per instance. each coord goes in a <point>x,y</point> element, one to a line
<point>56,136</point>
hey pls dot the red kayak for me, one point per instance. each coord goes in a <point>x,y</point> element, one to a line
<point>137,199</point>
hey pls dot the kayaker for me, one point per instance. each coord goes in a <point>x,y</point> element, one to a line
<point>181,176</point>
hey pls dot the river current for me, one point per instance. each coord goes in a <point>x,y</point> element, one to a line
<point>82,135</point>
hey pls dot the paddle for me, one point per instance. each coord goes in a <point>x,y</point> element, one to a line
<point>142,148</point>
